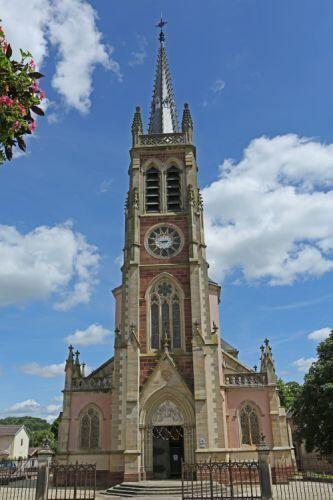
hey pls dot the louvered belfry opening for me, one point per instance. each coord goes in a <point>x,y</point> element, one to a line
<point>152,190</point>
<point>173,189</point>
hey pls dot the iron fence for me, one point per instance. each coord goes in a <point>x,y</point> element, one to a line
<point>72,482</point>
<point>305,480</point>
<point>221,480</point>
<point>18,479</point>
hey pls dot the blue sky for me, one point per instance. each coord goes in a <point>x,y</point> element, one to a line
<point>258,77</point>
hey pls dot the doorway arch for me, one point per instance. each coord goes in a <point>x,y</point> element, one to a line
<point>166,411</point>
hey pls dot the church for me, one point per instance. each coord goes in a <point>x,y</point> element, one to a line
<point>174,389</point>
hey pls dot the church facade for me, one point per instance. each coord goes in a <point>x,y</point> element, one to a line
<point>174,389</point>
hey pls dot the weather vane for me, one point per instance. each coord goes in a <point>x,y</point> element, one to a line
<point>160,25</point>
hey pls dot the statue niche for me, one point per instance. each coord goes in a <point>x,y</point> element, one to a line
<point>167,414</point>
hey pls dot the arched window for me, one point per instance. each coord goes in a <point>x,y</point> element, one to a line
<point>165,315</point>
<point>249,423</point>
<point>173,189</point>
<point>152,190</point>
<point>90,429</point>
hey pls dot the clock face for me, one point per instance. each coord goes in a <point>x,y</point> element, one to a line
<point>164,241</point>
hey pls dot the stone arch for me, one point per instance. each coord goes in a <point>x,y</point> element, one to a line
<point>90,427</point>
<point>178,289</point>
<point>253,424</point>
<point>185,417</point>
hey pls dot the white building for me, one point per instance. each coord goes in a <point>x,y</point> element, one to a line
<point>14,441</point>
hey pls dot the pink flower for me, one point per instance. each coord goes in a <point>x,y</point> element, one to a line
<point>15,124</point>
<point>32,64</point>
<point>41,95</point>
<point>4,99</point>
<point>35,86</point>
<point>32,126</point>
<point>22,109</point>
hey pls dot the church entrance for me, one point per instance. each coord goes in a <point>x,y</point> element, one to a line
<point>168,451</point>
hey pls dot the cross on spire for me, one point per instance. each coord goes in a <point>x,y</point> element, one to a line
<point>163,114</point>
<point>160,25</point>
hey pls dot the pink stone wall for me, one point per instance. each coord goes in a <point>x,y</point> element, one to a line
<point>79,401</point>
<point>234,399</point>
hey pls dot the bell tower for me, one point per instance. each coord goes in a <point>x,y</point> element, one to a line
<point>163,312</point>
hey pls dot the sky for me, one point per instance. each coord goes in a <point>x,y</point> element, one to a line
<point>258,78</point>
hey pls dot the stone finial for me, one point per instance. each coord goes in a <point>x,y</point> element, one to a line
<point>215,328</point>
<point>77,365</point>
<point>187,123</point>
<point>83,369</point>
<point>77,359</point>
<point>137,126</point>
<point>267,364</point>
<point>70,358</point>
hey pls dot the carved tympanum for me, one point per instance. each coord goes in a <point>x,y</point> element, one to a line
<point>167,414</point>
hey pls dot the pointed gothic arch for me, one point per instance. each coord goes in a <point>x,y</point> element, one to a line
<point>165,313</point>
<point>90,420</point>
<point>250,425</point>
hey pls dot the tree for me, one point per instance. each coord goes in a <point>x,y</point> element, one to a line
<point>30,423</point>
<point>288,392</point>
<point>37,438</point>
<point>55,428</point>
<point>20,97</point>
<point>313,408</point>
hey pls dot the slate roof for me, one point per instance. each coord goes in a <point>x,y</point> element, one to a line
<point>229,348</point>
<point>9,430</point>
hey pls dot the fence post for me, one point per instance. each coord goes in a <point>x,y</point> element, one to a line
<point>44,456</point>
<point>264,469</point>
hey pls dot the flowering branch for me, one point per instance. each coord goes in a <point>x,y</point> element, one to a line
<point>20,96</point>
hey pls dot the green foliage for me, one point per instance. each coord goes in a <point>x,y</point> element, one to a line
<point>30,423</point>
<point>20,96</point>
<point>55,427</point>
<point>37,438</point>
<point>313,408</point>
<point>288,392</point>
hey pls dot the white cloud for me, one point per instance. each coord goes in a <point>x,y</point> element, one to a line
<point>53,409</point>
<point>32,407</point>
<point>46,261</point>
<point>303,364</point>
<point>29,405</point>
<point>94,334</point>
<point>270,215</point>
<point>57,399</point>
<point>139,56</point>
<point>320,335</point>
<point>68,27</point>
<point>47,371</point>
<point>218,85</point>
<point>105,186</point>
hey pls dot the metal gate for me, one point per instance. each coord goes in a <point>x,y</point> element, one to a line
<point>72,482</point>
<point>221,480</point>
<point>18,479</point>
<point>305,480</point>
<point>25,480</point>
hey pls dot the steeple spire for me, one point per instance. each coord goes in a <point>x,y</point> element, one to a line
<point>163,114</point>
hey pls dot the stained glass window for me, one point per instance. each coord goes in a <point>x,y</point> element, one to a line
<point>90,429</point>
<point>165,315</point>
<point>249,425</point>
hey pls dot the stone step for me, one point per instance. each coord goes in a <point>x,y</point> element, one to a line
<point>145,488</point>
<point>160,488</point>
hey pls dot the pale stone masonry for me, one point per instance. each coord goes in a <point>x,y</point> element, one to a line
<point>173,389</point>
